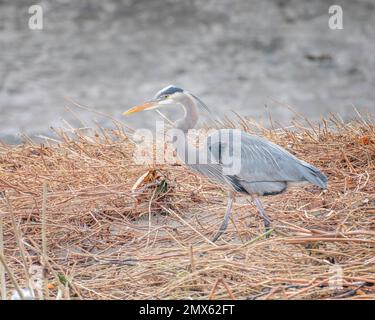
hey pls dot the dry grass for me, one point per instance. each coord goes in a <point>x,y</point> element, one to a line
<point>99,240</point>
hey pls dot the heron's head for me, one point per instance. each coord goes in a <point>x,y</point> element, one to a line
<point>166,96</point>
<point>170,95</point>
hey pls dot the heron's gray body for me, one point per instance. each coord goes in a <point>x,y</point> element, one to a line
<point>265,168</point>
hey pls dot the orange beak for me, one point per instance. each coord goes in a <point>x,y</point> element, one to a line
<point>145,106</point>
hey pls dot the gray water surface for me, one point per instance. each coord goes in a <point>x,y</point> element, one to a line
<point>234,54</point>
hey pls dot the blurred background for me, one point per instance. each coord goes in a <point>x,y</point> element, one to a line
<point>252,57</point>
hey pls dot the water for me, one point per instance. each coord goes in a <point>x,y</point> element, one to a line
<point>235,55</point>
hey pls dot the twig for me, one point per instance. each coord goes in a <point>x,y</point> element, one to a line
<point>44,239</point>
<point>2,269</point>
<point>12,278</point>
<point>189,225</point>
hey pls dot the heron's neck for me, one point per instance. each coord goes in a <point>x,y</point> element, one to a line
<point>190,117</point>
<point>189,120</point>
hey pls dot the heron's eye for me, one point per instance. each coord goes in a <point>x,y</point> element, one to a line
<point>165,96</point>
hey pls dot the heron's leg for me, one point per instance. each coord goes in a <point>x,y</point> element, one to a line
<point>224,224</point>
<point>266,220</point>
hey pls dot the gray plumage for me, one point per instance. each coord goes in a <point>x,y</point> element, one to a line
<point>266,168</point>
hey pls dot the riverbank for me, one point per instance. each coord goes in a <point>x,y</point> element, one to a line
<point>108,229</point>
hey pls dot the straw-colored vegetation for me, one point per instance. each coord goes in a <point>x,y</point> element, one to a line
<point>80,209</point>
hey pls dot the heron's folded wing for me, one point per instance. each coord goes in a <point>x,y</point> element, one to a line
<point>259,160</point>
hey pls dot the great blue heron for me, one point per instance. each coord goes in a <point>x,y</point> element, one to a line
<point>265,168</point>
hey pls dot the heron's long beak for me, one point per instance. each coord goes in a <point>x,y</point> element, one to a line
<point>146,106</point>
